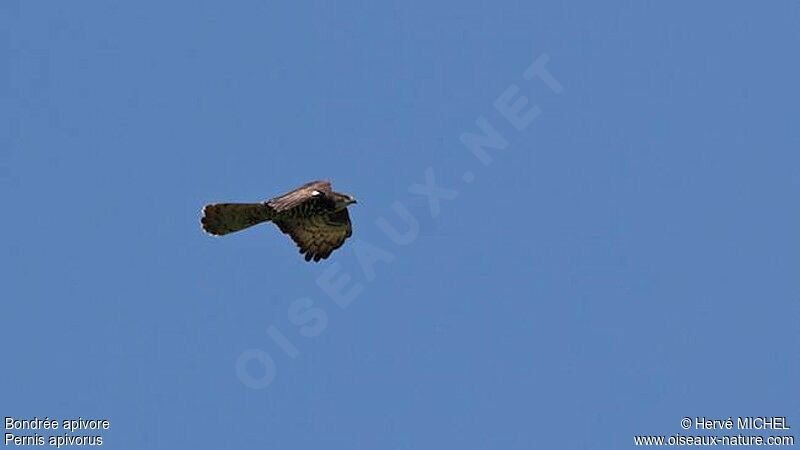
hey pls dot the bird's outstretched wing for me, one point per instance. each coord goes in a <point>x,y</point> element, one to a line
<point>318,235</point>
<point>308,191</point>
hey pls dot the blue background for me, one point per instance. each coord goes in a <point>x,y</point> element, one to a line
<point>630,259</point>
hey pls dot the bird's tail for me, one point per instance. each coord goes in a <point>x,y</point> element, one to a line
<point>224,218</point>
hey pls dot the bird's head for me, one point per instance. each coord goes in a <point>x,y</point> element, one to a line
<point>343,200</point>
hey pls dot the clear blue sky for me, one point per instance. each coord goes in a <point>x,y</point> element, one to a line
<point>629,259</point>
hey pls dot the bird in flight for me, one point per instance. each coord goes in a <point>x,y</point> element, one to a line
<point>313,215</point>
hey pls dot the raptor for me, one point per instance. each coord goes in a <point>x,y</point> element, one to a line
<point>313,215</point>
